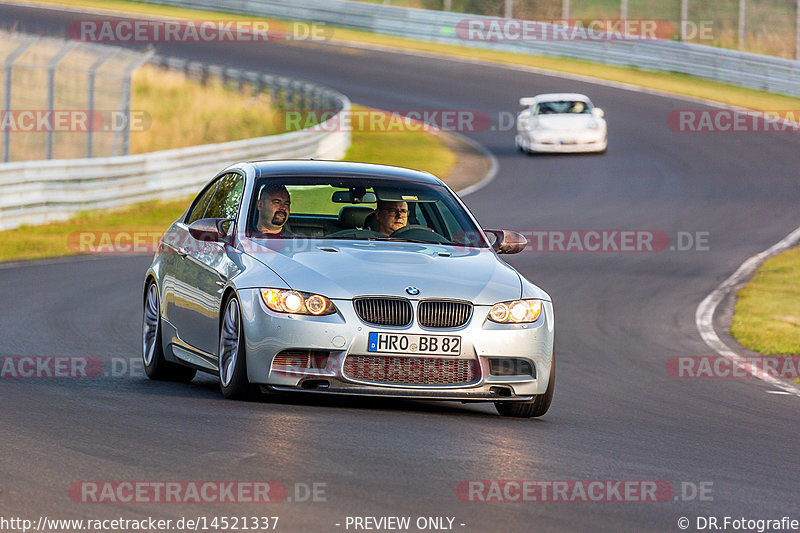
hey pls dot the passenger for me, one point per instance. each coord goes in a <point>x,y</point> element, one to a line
<point>273,210</point>
<point>578,107</point>
<point>391,216</point>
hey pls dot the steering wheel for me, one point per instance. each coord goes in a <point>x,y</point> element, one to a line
<point>410,227</point>
<point>417,232</point>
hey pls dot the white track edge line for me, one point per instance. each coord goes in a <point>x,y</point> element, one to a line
<point>704,316</point>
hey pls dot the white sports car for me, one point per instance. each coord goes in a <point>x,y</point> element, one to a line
<point>560,122</point>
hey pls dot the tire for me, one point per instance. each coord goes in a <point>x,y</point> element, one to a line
<point>533,408</point>
<point>232,358</point>
<point>155,365</point>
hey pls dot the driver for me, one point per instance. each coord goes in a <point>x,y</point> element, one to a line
<point>391,216</point>
<point>273,210</point>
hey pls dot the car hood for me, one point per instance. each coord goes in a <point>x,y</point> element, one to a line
<point>345,269</point>
<point>566,122</point>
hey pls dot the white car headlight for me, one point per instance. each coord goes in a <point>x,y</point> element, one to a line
<point>594,125</point>
<point>516,311</point>
<point>297,303</point>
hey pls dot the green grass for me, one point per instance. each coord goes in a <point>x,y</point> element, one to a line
<point>411,149</point>
<point>148,220</point>
<point>185,113</point>
<point>767,312</point>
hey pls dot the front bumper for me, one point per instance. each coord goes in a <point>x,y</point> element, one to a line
<point>267,333</point>
<point>565,143</point>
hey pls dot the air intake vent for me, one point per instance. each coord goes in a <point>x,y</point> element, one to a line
<point>384,311</point>
<point>410,370</point>
<point>443,313</point>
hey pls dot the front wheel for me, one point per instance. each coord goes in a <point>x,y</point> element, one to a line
<point>155,365</point>
<point>232,360</point>
<point>533,408</point>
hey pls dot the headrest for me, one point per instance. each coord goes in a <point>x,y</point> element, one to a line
<point>351,216</point>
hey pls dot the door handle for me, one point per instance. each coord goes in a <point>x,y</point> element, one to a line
<point>183,252</point>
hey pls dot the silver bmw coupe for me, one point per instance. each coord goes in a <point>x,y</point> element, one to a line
<point>346,278</point>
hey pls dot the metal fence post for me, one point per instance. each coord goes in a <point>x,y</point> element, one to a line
<point>742,14</point>
<point>565,9</point>
<point>51,90</point>
<point>125,104</point>
<point>9,64</point>
<point>509,9</point>
<point>797,31</point>
<point>685,18</point>
<point>90,103</point>
<point>623,9</point>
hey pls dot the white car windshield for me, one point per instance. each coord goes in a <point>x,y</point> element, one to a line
<point>575,107</point>
<point>359,209</point>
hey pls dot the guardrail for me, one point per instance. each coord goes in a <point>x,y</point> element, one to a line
<point>755,71</point>
<point>38,192</point>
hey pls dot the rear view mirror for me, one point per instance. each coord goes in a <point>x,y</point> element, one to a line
<point>353,196</point>
<point>505,241</point>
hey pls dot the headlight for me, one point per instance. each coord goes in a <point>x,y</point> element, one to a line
<point>297,303</point>
<point>594,125</point>
<point>516,311</point>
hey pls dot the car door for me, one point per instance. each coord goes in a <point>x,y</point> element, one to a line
<point>176,239</point>
<point>203,272</point>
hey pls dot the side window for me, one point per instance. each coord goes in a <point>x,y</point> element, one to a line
<point>201,203</point>
<point>225,203</point>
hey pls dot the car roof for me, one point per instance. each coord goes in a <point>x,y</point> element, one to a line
<point>556,97</point>
<point>342,169</point>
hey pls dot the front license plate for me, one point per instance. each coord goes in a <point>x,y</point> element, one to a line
<point>420,344</point>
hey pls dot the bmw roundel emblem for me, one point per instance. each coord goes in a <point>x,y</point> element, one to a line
<point>413,291</point>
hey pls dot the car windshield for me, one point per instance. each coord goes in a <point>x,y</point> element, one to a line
<point>573,107</point>
<point>359,209</point>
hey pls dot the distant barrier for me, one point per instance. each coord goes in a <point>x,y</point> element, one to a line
<point>37,192</point>
<point>755,71</point>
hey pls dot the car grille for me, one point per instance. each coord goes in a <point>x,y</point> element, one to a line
<point>410,370</point>
<point>443,313</point>
<point>384,311</point>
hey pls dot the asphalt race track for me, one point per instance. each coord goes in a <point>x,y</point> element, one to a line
<point>617,414</point>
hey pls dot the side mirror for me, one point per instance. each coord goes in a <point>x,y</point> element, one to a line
<point>211,229</point>
<point>598,113</point>
<point>505,241</point>
<point>527,101</point>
